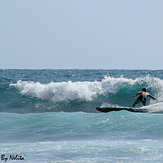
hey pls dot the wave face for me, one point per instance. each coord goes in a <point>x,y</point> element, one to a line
<point>28,91</point>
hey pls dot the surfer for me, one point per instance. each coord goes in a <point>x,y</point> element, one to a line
<point>143,97</point>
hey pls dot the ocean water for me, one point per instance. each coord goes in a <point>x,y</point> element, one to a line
<point>51,116</point>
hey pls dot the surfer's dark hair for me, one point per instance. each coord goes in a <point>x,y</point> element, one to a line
<point>144,89</point>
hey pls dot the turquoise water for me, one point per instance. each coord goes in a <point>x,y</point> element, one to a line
<point>50,116</point>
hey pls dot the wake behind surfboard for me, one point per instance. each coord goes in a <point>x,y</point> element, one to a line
<point>107,109</point>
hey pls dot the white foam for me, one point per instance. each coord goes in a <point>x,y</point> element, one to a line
<point>62,91</point>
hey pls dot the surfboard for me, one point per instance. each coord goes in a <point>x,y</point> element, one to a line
<point>107,109</point>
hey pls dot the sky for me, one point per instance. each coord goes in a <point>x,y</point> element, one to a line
<point>81,34</point>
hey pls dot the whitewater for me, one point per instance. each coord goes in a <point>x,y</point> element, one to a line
<point>50,116</point>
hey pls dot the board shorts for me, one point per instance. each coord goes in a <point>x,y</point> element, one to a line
<point>139,100</point>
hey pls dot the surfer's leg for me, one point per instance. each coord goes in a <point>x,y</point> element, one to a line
<point>134,105</point>
<point>136,102</point>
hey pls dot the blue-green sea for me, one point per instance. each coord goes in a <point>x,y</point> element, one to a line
<point>50,116</point>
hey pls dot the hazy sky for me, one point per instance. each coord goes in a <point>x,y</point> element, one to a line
<point>108,34</point>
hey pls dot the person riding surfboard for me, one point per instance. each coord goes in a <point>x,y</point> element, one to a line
<point>143,97</point>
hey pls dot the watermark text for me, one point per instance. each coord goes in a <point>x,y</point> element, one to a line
<point>6,158</point>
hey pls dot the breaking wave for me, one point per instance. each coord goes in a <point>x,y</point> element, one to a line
<point>79,96</point>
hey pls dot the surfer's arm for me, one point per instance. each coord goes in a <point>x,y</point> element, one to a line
<point>152,97</point>
<point>136,94</point>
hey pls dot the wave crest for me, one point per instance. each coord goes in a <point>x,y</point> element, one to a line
<point>88,91</point>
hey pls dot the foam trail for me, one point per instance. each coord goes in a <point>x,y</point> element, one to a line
<point>155,108</point>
